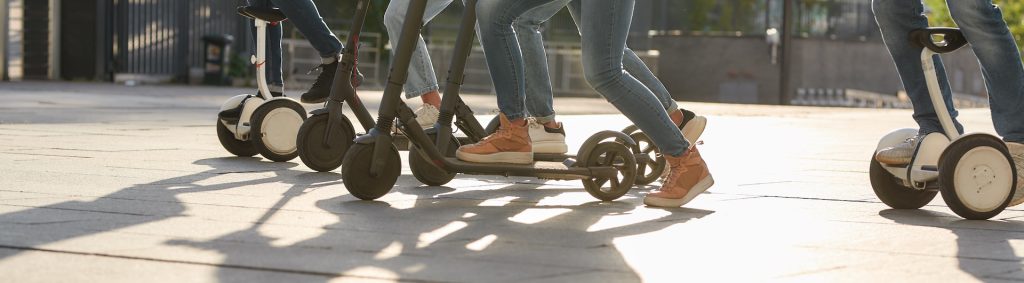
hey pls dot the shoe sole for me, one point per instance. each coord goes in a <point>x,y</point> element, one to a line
<point>697,189</point>
<point>498,157</point>
<point>551,147</point>
<point>694,129</point>
<point>312,101</point>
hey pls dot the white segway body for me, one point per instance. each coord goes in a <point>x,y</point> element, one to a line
<point>269,123</point>
<point>974,172</point>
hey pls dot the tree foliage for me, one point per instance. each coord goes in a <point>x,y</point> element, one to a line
<point>1013,14</point>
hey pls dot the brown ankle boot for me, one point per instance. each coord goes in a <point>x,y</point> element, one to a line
<point>688,177</point>
<point>510,144</point>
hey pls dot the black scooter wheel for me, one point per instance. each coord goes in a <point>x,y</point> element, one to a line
<point>426,172</point>
<point>629,130</point>
<point>275,124</point>
<point>355,171</point>
<point>611,154</point>
<point>649,170</point>
<point>891,191</point>
<point>317,154</point>
<point>231,144</point>
<point>977,176</point>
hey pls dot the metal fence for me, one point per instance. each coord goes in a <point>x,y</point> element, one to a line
<point>161,39</point>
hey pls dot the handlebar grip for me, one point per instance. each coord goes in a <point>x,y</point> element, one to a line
<point>953,39</point>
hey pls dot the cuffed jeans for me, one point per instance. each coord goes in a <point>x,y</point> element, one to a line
<point>982,24</point>
<point>306,18</point>
<point>604,27</point>
<point>538,83</point>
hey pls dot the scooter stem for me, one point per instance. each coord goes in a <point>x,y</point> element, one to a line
<point>261,59</point>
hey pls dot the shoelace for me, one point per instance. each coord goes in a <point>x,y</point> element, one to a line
<point>674,174</point>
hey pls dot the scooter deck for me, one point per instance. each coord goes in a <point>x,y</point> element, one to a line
<point>540,169</point>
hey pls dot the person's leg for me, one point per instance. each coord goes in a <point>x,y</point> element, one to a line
<point>546,133</point>
<point>983,25</point>
<point>528,29</point>
<point>896,19</point>
<point>604,29</point>
<point>306,18</point>
<point>511,143</point>
<point>422,79</point>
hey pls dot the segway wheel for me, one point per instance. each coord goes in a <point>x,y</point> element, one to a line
<point>611,154</point>
<point>891,191</point>
<point>426,172</point>
<point>651,169</point>
<point>275,124</point>
<point>231,144</point>
<point>977,177</point>
<point>355,172</point>
<point>317,154</point>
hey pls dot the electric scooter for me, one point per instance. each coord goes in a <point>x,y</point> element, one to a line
<point>267,125</point>
<point>974,172</point>
<point>605,163</point>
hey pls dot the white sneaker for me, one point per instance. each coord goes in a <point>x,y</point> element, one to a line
<point>1017,152</point>
<point>426,116</point>
<point>900,154</point>
<point>547,140</point>
<point>693,129</point>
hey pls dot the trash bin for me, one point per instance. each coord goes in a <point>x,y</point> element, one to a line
<point>217,58</point>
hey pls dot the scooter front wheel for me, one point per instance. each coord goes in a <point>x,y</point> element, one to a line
<point>977,176</point>
<point>321,155</point>
<point>360,182</point>
<point>275,124</point>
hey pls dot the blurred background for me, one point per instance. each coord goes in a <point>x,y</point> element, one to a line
<point>786,52</point>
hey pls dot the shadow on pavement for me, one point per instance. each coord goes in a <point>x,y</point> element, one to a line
<point>978,242</point>
<point>443,234</point>
<point>131,206</point>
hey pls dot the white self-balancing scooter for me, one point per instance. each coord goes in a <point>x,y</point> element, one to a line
<point>974,172</point>
<point>265,125</point>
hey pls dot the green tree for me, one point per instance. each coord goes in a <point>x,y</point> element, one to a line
<point>1013,14</point>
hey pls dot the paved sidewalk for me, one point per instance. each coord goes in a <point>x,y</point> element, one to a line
<point>105,183</point>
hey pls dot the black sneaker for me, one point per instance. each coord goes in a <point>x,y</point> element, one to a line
<point>321,88</point>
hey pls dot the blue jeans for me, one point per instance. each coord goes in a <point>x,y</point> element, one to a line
<point>604,27</point>
<point>538,84</point>
<point>983,26</point>
<point>422,78</point>
<point>306,18</point>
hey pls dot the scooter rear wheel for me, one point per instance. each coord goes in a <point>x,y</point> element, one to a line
<point>616,155</point>
<point>320,156</point>
<point>977,176</point>
<point>650,170</point>
<point>275,124</point>
<point>355,171</point>
<point>428,173</point>
<point>231,144</point>
<point>891,191</point>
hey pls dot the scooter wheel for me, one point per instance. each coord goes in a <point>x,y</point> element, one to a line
<point>275,124</point>
<point>426,172</point>
<point>891,191</point>
<point>611,154</point>
<point>977,176</point>
<point>317,154</point>
<point>360,182</point>
<point>631,129</point>
<point>233,145</point>
<point>651,169</point>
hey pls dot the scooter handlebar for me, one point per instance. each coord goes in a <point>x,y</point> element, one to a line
<point>952,39</point>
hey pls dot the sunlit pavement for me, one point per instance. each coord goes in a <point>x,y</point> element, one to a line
<point>105,183</point>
